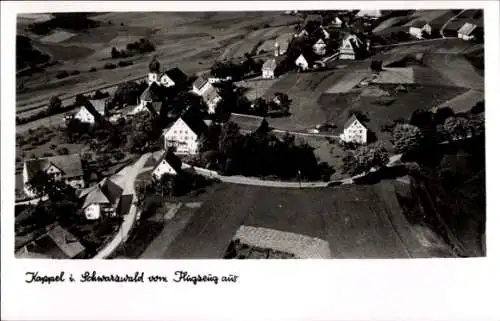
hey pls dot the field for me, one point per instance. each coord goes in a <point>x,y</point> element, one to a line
<point>356,221</point>
<point>191,41</point>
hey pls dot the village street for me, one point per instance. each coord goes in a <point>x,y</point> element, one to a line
<point>125,179</point>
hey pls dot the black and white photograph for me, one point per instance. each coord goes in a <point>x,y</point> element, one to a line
<point>299,134</point>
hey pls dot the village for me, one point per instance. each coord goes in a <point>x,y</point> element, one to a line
<point>340,107</point>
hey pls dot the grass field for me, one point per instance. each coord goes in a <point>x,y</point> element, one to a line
<point>191,41</point>
<point>355,220</point>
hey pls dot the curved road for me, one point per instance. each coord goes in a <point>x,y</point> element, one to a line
<point>125,178</point>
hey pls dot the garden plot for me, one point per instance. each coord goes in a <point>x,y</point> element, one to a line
<point>348,82</point>
<point>57,37</point>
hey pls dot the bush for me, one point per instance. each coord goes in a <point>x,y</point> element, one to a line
<point>74,73</point>
<point>123,63</point>
<point>62,74</point>
<point>47,154</point>
<point>53,146</point>
<point>63,151</point>
<point>109,66</point>
<point>93,69</point>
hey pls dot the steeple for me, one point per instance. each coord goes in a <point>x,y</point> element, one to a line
<point>154,65</point>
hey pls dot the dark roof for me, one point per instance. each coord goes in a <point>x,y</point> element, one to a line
<point>96,107</point>
<point>56,243</point>
<point>106,192</point>
<point>152,93</point>
<point>154,65</point>
<point>419,24</point>
<point>177,76</point>
<point>196,124</point>
<point>200,82</point>
<point>70,165</point>
<point>171,159</point>
<point>351,120</point>
<point>269,64</point>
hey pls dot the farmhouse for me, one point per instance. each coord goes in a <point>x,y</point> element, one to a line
<point>468,31</point>
<point>173,77</point>
<point>268,69</point>
<point>56,243</point>
<point>351,46</point>
<point>169,164</point>
<point>302,63</point>
<point>92,111</point>
<point>183,135</point>
<point>201,85</point>
<point>319,47</point>
<point>420,29</point>
<point>101,200</point>
<point>354,131</point>
<point>66,168</point>
<point>211,97</point>
<point>150,100</point>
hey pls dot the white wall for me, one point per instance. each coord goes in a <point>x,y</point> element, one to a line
<point>181,137</point>
<point>85,116</point>
<point>92,212</point>
<point>166,81</point>
<point>163,168</point>
<point>267,74</point>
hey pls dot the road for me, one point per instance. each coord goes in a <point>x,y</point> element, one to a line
<point>441,31</point>
<point>125,179</point>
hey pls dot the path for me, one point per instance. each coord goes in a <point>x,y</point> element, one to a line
<point>125,178</point>
<point>441,31</point>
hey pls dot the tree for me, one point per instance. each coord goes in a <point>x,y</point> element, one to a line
<point>210,139</point>
<point>406,138</point>
<point>422,118</point>
<point>376,66</point>
<point>55,104</point>
<point>456,127</point>
<point>128,93</point>
<point>260,107</point>
<point>115,53</point>
<point>373,155</point>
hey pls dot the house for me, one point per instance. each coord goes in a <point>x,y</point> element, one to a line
<point>373,14</point>
<point>420,29</point>
<point>319,47</point>
<point>354,131</point>
<point>92,111</point>
<point>150,100</point>
<point>337,22</point>
<point>201,85</point>
<point>169,164</point>
<point>67,168</point>
<point>302,63</point>
<point>173,77</point>
<point>281,44</point>
<point>351,46</point>
<point>55,243</point>
<point>467,31</point>
<point>184,135</point>
<point>212,98</point>
<point>268,69</point>
<point>101,199</point>
<point>154,71</point>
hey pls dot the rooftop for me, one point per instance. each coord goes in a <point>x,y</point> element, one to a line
<point>70,165</point>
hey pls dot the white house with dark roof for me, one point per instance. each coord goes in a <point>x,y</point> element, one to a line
<point>351,45</point>
<point>268,69</point>
<point>337,22</point>
<point>173,77</point>
<point>55,243</point>
<point>319,47</point>
<point>183,136</point>
<point>93,109</point>
<point>420,29</point>
<point>467,31</point>
<point>354,131</point>
<point>67,168</point>
<point>302,63</point>
<point>168,164</point>
<point>101,199</point>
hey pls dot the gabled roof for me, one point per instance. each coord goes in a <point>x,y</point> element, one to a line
<point>176,75</point>
<point>467,29</point>
<point>70,165</point>
<point>210,94</point>
<point>419,24</point>
<point>99,105</point>
<point>152,93</point>
<point>196,124</point>
<point>269,64</point>
<point>200,82</point>
<point>56,243</point>
<point>320,42</point>
<point>351,120</point>
<point>105,192</point>
<point>171,159</point>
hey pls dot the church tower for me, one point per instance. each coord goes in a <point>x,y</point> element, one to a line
<point>154,71</point>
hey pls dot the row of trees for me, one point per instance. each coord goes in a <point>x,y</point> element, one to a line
<point>236,71</point>
<point>260,153</point>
